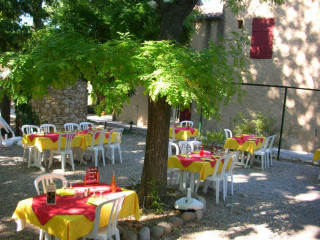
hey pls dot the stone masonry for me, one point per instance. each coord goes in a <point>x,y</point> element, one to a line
<point>63,106</point>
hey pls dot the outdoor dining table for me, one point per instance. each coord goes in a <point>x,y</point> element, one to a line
<point>183,133</point>
<point>194,163</point>
<point>244,143</point>
<point>48,141</point>
<point>72,217</point>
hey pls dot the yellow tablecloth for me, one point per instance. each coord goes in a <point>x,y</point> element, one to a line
<point>184,134</point>
<point>71,227</point>
<point>203,168</point>
<point>247,146</point>
<point>82,141</point>
<point>316,156</point>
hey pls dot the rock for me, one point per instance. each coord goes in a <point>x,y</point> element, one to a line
<point>203,200</point>
<point>167,227</point>
<point>188,217</point>
<point>129,235</point>
<point>199,214</point>
<point>175,222</point>
<point>144,233</point>
<point>156,231</point>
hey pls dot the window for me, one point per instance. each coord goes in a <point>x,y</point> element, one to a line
<point>262,38</point>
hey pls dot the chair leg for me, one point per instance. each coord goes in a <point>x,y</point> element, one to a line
<point>224,186</point>
<point>72,160</point>
<point>112,155</point>
<point>119,148</point>
<point>231,184</point>
<point>217,191</point>
<point>63,162</point>
<point>205,187</point>
<point>41,234</point>
<point>95,157</point>
<point>103,158</point>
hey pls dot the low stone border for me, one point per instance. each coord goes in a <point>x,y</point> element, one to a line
<point>164,227</point>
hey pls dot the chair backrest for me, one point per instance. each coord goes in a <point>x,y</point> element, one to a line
<point>118,134</point>
<point>115,204</point>
<point>6,126</point>
<point>235,157</point>
<point>66,147</point>
<point>228,133</point>
<point>46,179</point>
<point>71,126</point>
<point>101,136</point>
<point>271,142</point>
<point>184,147</point>
<point>171,144</point>
<point>226,160</point>
<point>264,144</point>
<point>173,132</point>
<point>85,125</point>
<point>29,129</point>
<point>46,128</point>
<point>185,123</point>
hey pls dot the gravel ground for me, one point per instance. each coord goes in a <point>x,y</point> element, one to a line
<point>282,202</point>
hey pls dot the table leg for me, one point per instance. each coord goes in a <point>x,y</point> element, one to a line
<point>192,178</point>
<point>248,158</point>
<point>37,159</point>
<point>183,181</point>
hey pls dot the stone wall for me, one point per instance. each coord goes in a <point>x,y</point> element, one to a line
<point>62,106</point>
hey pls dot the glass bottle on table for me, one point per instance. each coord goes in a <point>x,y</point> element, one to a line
<point>201,151</point>
<point>113,185</point>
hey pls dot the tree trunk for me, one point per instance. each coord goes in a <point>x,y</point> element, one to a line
<point>5,110</point>
<point>154,173</point>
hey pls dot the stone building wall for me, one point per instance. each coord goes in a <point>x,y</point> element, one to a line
<point>62,106</point>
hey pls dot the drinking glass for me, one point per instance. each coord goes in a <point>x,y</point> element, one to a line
<point>70,182</point>
<point>101,191</point>
<point>65,184</point>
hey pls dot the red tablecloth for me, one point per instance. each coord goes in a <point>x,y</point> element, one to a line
<point>196,157</point>
<point>177,129</point>
<point>53,136</point>
<point>68,205</point>
<point>245,138</point>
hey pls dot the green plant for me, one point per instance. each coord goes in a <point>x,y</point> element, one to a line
<point>255,123</point>
<point>156,197</point>
<point>213,136</point>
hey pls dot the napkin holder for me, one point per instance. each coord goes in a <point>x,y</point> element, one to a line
<point>51,196</point>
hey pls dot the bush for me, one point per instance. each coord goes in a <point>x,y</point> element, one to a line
<point>213,136</point>
<point>256,124</point>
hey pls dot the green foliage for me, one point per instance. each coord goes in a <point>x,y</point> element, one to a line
<point>213,136</point>
<point>253,124</point>
<point>26,115</point>
<point>157,198</point>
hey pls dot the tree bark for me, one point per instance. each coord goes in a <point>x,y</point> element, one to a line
<point>154,173</point>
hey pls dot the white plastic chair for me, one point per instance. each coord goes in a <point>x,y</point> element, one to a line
<point>172,139</point>
<point>194,144</point>
<point>45,180</point>
<point>116,144</point>
<point>46,128</point>
<point>64,149</point>
<point>217,177</point>
<point>262,153</point>
<point>85,125</point>
<point>229,172</point>
<point>26,130</point>
<point>185,147</point>
<point>269,151</point>
<point>185,123</point>
<point>111,229</point>
<point>70,127</point>
<point>228,133</point>
<point>172,171</point>
<point>98,147</point>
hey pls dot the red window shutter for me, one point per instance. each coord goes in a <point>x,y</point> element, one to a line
<point>262,38</point>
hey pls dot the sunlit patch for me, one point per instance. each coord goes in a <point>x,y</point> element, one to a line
<point>141,143</point>
<point>309,196</point>
<point>241,178</point>
<point>300,177</point>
